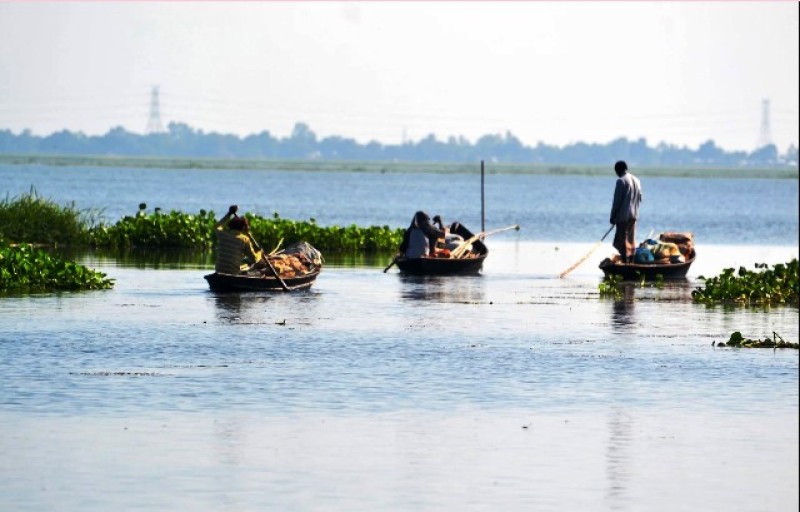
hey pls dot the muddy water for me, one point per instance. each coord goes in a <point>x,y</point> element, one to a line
<point>513,390</point>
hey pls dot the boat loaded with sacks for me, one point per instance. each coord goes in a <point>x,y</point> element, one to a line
<point>293,268</point>
<point>669,257</point>
<point>461,253</point>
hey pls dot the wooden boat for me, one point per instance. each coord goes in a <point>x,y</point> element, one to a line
<point>298,267</point>
<point>259,282</point>
<point>470,263</point>
<point>650,271</point>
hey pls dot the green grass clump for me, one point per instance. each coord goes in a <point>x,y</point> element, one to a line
<point>737,340</point>
<point>776,285</point>
<point>25,268</point>
<point>30,218</point>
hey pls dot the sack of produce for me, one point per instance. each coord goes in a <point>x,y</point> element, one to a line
<point>297,259</point>
<point>684,241</point>
<point>676,237</point>
<point>643,255</point>
<point>665,250</point>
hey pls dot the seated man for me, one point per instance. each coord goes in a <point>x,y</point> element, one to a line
<point>235,251</point>
<point>420,238</point>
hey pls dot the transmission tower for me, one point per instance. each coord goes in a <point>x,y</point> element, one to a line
<point>154,122</point>
<point>765,137</point>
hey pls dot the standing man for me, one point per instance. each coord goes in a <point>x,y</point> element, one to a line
<point>625,210</point>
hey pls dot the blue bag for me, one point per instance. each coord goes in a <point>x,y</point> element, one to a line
<point>643,255</point>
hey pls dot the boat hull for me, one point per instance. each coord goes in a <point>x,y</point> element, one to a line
<point>650,271</point>
<point>441,266</point>
<point>245,282</point>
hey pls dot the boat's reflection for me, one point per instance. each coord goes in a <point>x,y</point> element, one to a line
<point>448,289</point>
<point>623,315</point>
<point>623,306</point>
<point>262,308</point>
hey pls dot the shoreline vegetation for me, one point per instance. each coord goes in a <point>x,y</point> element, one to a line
<point>169,163</point>
<point>50,224</point>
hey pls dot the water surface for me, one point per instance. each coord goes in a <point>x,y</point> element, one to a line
<point>548,208</point>
<point>511,390</point>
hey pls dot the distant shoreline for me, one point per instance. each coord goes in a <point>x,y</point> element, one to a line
<point>387,167</point>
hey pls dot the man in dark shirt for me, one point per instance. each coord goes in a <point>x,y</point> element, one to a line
<point>420,238</point>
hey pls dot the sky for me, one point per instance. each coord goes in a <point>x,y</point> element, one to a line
<point>680,73</point>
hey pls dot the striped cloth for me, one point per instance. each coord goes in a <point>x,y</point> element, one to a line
<point>232,249</point>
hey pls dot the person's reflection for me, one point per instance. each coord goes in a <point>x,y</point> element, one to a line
<point>240,307</point>
<point>618,459</point>
<point>228,306</point>
<point>623,311</point>
<point>448,289</point>
<point>265,308</point>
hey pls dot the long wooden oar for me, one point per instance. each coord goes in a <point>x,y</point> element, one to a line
<point>573,267</point>
<point>285,286</point>
<point>392,263</point>
<point>462,247</point>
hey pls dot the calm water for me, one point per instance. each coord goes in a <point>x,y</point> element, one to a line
<point>513,390</point>
<point>552,208</point>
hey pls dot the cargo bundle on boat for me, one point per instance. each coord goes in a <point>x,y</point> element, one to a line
<point>670,257</point>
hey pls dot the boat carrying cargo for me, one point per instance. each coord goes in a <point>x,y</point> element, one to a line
<point>670,257</point>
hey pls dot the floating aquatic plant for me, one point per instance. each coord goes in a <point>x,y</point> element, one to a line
<point>613,284</point>
<point>764,286</point>
<point>737,340</point>
<point>179,230</point>
<point>26,268</point>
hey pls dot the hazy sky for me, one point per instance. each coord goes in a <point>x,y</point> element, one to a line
<point>555,72</point>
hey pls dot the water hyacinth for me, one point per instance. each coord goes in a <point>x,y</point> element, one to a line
<point>737,340</point>
<point>26,268</point>
<point>332,239</point>
<point>157,230</point>
<point>180,230</point>
<point>776,285</point>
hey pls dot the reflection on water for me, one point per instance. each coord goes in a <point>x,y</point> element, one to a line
<point>623,317</point>
<point>227,433</point>
<point>264,308</point>
<point>229,305</point>
<point>449,289</point>
<point>618,458</point>
<point>149,258</point>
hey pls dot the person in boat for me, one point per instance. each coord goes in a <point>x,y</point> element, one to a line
<point>420,238</point>
<point>235,250</point>
<point>625,211</point>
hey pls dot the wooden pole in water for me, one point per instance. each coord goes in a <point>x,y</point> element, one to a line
<point>483,208</point>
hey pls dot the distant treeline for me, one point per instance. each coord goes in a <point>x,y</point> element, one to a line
<point>182,141</point>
